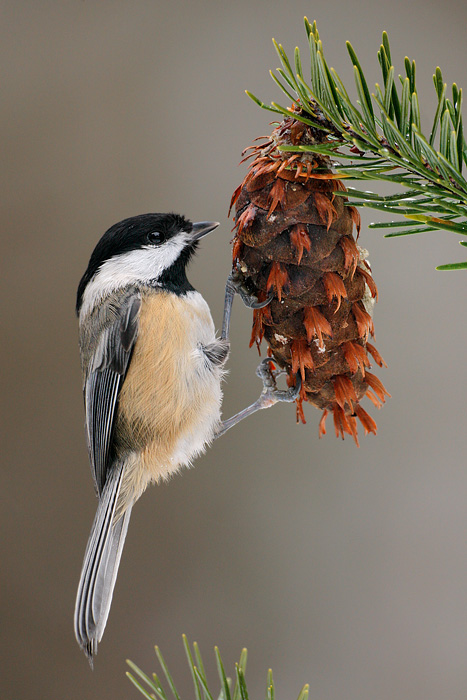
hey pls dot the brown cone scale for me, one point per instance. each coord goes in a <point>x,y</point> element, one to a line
<point>294,238</point>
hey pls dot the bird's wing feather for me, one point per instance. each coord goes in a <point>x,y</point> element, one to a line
<point>103,383</point>
<point>100,565</point>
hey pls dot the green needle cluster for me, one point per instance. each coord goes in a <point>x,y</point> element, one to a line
<point>379,137</point>
<point>151,687</point>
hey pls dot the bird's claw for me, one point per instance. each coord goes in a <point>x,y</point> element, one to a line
<point>271,394</point>
<point>258,304</point>
<point>237,282</point>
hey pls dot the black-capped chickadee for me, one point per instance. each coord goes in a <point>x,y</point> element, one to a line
<point>152,370</point>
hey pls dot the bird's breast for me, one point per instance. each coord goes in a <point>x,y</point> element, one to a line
<point>169,405</point>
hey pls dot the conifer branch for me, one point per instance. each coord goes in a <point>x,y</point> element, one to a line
<point>151,687</point>
<point>379,137</point>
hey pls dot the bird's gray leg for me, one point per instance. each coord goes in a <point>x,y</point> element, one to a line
<point>234,286</point>
<point>269,396</point>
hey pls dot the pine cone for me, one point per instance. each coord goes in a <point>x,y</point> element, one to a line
<point>294,238</point>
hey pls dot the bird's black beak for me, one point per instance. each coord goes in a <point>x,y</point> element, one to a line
<point>202,228</point>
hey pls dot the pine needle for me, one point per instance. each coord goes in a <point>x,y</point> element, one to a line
<point>155,691</point>
<point>386,129</point>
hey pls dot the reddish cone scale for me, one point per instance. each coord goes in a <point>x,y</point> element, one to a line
<point>294,238</point>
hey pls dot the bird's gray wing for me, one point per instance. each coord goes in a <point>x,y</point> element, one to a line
<point>104,380</point>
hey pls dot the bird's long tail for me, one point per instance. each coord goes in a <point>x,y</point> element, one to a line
<point>100,566</point>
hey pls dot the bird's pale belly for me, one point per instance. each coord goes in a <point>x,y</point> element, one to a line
<point>169,405</point>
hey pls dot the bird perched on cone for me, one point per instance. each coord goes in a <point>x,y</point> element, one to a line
<point>152,369</point>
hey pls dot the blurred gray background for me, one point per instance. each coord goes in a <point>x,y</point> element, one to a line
<point>343,567</point>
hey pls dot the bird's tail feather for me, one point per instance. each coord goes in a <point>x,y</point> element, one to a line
<point>100,566</point>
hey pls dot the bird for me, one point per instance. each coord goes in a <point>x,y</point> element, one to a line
<point>152,367</point>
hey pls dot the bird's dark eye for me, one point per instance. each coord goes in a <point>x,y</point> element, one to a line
<point>155,238</point>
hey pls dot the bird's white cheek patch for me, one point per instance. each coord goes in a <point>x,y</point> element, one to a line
<point>137,266</point>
